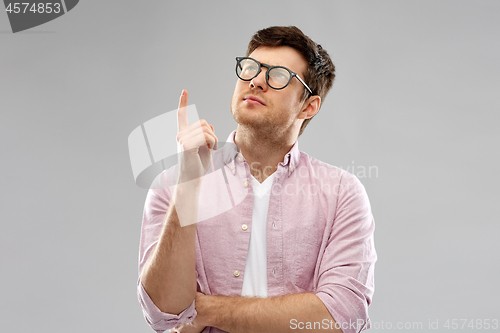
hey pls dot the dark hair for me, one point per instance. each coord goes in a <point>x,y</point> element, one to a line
<point>320,72</point>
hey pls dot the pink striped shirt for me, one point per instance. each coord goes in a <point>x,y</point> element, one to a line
<point>319,236</point>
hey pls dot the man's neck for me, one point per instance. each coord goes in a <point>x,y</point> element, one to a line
<point>263,151</point>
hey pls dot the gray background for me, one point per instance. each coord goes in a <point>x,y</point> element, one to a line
<point>416,95</point>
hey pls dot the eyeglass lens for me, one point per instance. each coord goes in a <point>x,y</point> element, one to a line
<point>248,69</point>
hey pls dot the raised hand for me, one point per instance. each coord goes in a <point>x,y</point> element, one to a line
<point>195,143</point>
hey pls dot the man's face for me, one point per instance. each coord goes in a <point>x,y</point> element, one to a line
<point>279,109</point>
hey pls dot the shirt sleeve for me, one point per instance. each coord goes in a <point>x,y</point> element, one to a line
<point>155,208</point>
<point>161,321</point>
<point>346,273</point>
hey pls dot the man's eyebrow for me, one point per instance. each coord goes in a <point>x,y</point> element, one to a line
<point>277,65</point>
<point>301,75</point>
<point>265,63</point>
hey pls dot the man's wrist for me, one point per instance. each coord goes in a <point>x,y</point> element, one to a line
<point>210,309</point>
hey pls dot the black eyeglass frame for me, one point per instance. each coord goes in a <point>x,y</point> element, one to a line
<point>292,74</point>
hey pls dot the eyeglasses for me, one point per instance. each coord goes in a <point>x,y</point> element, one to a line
<point>277,77</point>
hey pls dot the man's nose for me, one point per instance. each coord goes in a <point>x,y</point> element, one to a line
<point>259,81</point>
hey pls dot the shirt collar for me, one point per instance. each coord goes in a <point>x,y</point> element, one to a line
<point>290,161</point>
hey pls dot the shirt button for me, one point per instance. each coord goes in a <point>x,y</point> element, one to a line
<point>239,158</point>
<point>231,166</point>
<point>245,183</point>
<point>244,227</point>
<point>291,168</point>
<point>236,273</point>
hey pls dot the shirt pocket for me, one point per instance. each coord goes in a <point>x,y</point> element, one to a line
<point>305,259</point>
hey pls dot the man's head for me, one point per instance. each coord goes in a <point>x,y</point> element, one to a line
<point>288,47</point>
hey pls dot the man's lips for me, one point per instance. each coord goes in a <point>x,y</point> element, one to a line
<point>253,100</point>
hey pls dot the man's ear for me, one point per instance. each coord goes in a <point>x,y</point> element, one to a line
<point>310,107</point>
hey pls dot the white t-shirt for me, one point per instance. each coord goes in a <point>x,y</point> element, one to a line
<point>255,277</point>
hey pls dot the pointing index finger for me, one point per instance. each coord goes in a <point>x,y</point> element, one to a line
<point>182,119</point>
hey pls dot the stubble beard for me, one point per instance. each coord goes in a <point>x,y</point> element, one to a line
<point>261,124</point>
<point>267,125</point>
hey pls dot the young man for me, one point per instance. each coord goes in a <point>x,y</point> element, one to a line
<point>296,252</point>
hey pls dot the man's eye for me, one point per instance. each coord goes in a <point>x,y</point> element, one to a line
<point>250,69</point>
<point>279,75</point>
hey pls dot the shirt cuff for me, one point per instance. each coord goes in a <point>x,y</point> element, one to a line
<point>158,320</point>
<point>342,320</point>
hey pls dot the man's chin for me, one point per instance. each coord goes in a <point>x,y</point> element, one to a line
<point>251,116</point>
<point>256,124</point>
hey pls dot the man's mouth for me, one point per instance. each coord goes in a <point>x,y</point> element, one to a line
<point>253,100</point>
